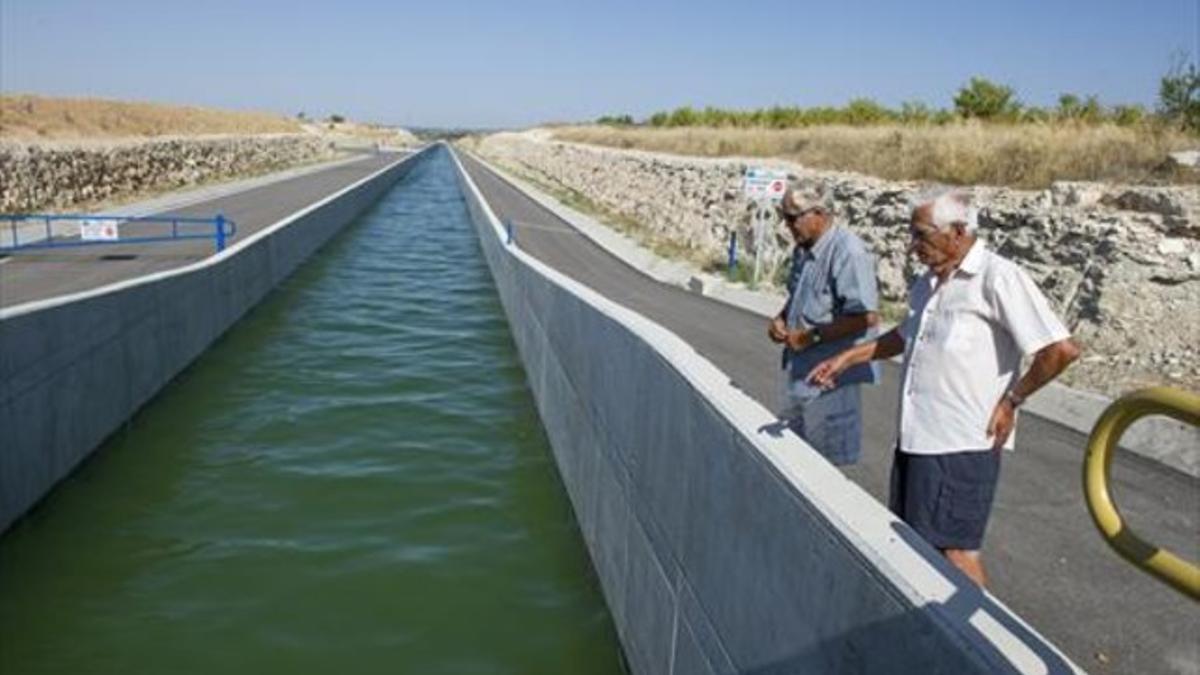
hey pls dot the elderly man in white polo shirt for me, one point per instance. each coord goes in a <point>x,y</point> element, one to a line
<point>971,318</point>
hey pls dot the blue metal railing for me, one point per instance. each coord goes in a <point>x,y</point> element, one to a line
<point>25,226</point>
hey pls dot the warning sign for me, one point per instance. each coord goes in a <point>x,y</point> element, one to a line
<point>99,230</point>
<point>764,184</point>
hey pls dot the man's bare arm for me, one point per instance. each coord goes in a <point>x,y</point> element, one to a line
<point>825,373</point>
<point>1048,363</point>
<point>848,324</point>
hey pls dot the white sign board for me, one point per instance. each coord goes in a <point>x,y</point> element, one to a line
<point>99,230</point>
<point>764,184</point>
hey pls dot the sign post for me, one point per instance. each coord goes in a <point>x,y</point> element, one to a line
<point>764,187</point>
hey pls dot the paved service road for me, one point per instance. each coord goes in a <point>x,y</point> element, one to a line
<point>1045,558</point>
<point>45,273</point>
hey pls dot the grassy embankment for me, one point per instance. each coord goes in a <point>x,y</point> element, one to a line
<point>1027,156</point>
<point>989,136</point>
<point>32,118</point>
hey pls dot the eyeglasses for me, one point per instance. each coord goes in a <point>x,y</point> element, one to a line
<point>790,218</point>
<point>920,235</point>
<point>928,232</point>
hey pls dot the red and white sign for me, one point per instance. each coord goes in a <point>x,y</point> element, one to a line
<point>768,184</point>
<point>99,230</point>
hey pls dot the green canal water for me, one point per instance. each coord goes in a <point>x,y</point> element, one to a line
<point>353,479</point>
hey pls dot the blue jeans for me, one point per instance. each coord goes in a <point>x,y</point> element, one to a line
<point>831,423</point>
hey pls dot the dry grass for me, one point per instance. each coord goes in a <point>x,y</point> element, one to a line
<point>26,117</point>
<point>1025,156</point>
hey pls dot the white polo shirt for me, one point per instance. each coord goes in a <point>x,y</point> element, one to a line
<point>963,345</point>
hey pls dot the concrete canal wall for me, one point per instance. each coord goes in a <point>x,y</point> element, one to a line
<point>73,369</point>
<point>721,545</point>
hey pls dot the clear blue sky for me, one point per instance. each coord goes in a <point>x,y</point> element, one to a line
<point>476,63</point>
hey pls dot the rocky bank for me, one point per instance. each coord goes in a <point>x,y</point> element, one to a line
<point>38,176</point>
<point>1121,263</point>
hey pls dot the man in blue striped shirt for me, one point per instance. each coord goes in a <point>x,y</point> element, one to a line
<point>833,304</point>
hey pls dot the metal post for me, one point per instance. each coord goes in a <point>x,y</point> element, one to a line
<point>220,221</point>
<point>759,225</point>
<point>732,253</point>
<point>508,227</point>
<point>13,222</point>
<point>48,237</point>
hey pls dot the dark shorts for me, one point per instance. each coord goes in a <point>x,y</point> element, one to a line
<point>946,498</point>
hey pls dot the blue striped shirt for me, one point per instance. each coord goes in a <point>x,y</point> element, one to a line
<point>834,278</point>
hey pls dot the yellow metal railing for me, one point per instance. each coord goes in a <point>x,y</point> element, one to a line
<point>1164,565</point>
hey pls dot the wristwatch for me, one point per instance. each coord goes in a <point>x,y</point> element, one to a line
<point>814,336</point>
<point>1014,398</point>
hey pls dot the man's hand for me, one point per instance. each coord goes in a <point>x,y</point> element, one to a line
<point>825,373</point>
<point>797,339</point>
<point>1001,424</point>
<point>778,330</point>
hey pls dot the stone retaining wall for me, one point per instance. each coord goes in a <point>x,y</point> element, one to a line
<point>40,177</point>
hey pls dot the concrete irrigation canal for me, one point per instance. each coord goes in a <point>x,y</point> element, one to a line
<point>353,478</point>
<point>411,421</point>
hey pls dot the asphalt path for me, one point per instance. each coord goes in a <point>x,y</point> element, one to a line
<point>37,274</point>
<point>1044,556</point>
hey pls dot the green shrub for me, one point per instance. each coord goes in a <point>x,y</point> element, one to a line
<point>1128,115</point>
<point>986,100</point>
<point>616,120</point>
<point>862,111</point>
<point>915,112</point>
<point>979,99</point>
<point>1071,108</point>
<point>1036,115</point>
<point>683,117</point>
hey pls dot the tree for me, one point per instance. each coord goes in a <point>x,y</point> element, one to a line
<point>986,100</point>
<point>337,119</point>
<point>1179,95</point>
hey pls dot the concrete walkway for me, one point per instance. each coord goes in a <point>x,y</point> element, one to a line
<point>1046,560</point>
<point>39,274</point>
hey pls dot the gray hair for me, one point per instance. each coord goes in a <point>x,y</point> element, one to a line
<point>800,196</point>
<point>948,207</point>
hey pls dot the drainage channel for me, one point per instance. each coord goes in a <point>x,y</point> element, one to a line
<point>353,478</point>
